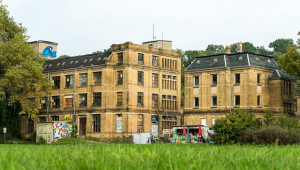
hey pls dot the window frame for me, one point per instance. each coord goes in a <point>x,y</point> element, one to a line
<point>120,77</point>
<point>97,103</point>
<point>96,123</point>
<point>258,79</point>
<point>56,102</point>
<point>69,84</point>
<point>154,80</point>
<point>119,99</point>
<point>212,101</point>
<point>83,81</point>
<point>196,105</point>
<point>97,78</point>
<point>258,101</point>
<point>140,78</point>
<point>155,60</point>
<point>237,79</point>
<point>83,101</point>
<point>195,82</point>
<point>56,82</point>
<point>235,100</point>
<point>120,58</point>
<point>140,58</point>
<point>140,99</point>
<point>214,82</point>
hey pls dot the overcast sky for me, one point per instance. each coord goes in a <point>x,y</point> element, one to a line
<point>84,26</point>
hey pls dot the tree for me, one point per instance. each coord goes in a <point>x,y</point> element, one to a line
<point>63,56</point>
<point>281,45</point>
<point>229,129</point>
<point>104,51</point>
<point>215,49</point>
<point>21,68</point>
<point>247,47</point>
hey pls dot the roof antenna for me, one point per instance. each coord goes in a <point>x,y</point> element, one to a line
<point>153,33</point>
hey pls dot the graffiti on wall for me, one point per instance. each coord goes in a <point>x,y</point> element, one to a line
<point>48,52</point>
<point>62,130</point>
<point>119,124</point>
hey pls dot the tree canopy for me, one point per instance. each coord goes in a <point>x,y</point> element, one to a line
<point>63,56</point>
<point>21,68</point>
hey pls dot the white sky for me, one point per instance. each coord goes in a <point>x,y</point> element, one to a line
<point>84,26</point>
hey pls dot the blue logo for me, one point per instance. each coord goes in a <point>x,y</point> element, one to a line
<point>48,52</point>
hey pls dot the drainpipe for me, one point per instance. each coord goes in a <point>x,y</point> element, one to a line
<point>48,99</point>
<point>74,96</point>
<point>230,90</point>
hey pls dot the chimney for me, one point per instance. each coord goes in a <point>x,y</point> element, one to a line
<point>239,47</point>
<point>227,51</point>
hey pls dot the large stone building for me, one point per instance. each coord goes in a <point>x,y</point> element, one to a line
<point>133,89</point>
<point>216,84</point>
<point>297,105</point>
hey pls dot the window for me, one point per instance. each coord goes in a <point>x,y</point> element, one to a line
<point>203,122</point>
<point>119,122</point>
<point>154,80</point>
<point>196,102</point>
<point>213,121</point>
<point>258,101</point>
<point>237,79</point>
<point>168,122</point>
<point>43,102</point>
<point>56,82</point>
<point>154,60</point>
<point>237,100</point>
<point>82,100</point>
<point>96,99</point>
<point>120,77</point>
<point>140,77</point>
<point>164,102</point>
<point>97,78</point>
<point>174,102</point>
<point>140,58</point>
<point>196,81</point>
<point>140,122</point>
<point>174,82</point>
<point>119,98</point>
<point>258,79</point>
<point>55,118</point>
<point>68,101</point>
<point>140,99</point>
<point>214,101</point>
<point>120,58</point>
<point>96,122</point>
<point>42,119</point>
<point>214,79</point>
<point>55,102</point>
<point>69,81</point>
<point>155,100</point>
<point>83,79</point>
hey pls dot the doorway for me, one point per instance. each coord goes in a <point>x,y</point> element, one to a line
<point>82,127</point>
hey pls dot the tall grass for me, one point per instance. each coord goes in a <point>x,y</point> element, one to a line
<point>158,156</point>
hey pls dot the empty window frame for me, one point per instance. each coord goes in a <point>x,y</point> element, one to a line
<point>69,81</point>
<point>119,98</point>
<point>258,101</point>
<point>97,99</point>
<point>43,119</point>
<point>237,78</point>
<point>196,81</point>
<point>237,100</point>
<point>55,102</point>
<point>140,99</point>
<point>258,79</point>
<point>55,118</point>
<point>83,79</point>
<point>120,77</point>
<point>196,102</point>
<point>154,80</point>
<point>97,78</point>
<point>68,101</point>
<point>154,100</point>
<point>120,58</point>
<point>43,102</point>
<point>174,102</point>
<point>56,82</point>
<point>140,78</point>
<point>154,60</point>
<point>140,58</point>
<point>82,100</point>
<point>96,122</point>
<point>140,122</point>
<point>214,79</point>
<point>164,101</point>
<point>214,101</point>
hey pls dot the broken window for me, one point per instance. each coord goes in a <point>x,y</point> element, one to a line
<point>155,100</point>
<point>96,99</point>
<point>83,79</point>
<point>140,77</point>
<point>237,78</point>
<point>140,99</point>
<point>120,58</point>
<point>154,60</point>
<point>214,79</point>
<point>56,82</point>
<point>140,58</point>
<point>55,102</point>
<point>120,77</point>
<point>97,78</point>
<point>82,100</point>
<point>154,80</point>
<point>69,81</point>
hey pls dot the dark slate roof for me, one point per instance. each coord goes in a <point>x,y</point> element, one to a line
<point>277,74</point>
<point>235,60</point>
<point>90,60</point>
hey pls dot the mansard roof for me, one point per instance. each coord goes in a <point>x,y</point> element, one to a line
<point>90,60</point>
<point>277,74</point>
<point>236,60</point>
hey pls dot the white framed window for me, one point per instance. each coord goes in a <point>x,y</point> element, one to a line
<point>196,81</point>
<point>213,121</point>
<point>203,122</point>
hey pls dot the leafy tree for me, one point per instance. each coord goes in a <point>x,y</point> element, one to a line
<point>104,51</point>
<point>281,45</point>
<point>63,56</point>
<point>21,68</point>
<point>215,49</point>
<point>229,129</point>
<point>247,47</point>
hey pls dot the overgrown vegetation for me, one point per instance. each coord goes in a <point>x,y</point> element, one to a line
<point>241,127</point>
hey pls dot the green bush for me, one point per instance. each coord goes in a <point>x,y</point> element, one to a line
<point>41,140</point>
<point>229,129</point>
<point>271,135</point>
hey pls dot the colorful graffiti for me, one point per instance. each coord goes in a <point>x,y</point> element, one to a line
<point>48,52</point>
<point>62,130</point>
<point>191,137</point>
<point>67,118</point>
<point>119,124</point>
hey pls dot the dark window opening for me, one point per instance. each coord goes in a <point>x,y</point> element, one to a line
<point>237,79</point>
<point>56,82</point>
<point>140,78</point>
<point>214,101</point>
<point>196,102</point>
<point>154,60</point>
<point>69,81</point>
<point>258,79</point>
<point>237,101</point>
<point>214,79</point>
<point>96,122</point>
<point>119,98</point>
<point>83,79</point>
<point>140,99</point>
<point>97,78</point>
<point>96,99</point>
<point>140,58</point>
<point>55,118</point>
<point>120,77</point>
<point>55,102</point>
<point>196,81</point>
<point>120,58</point>
<point>82,100</point>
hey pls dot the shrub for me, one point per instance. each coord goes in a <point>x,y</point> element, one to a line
<point>271,135</point>
<point>229,129</point>
<point>41,140</point>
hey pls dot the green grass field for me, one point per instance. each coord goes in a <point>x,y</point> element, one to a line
<point>157,156</point>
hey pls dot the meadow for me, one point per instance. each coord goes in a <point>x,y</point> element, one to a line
<point>156,156</point>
